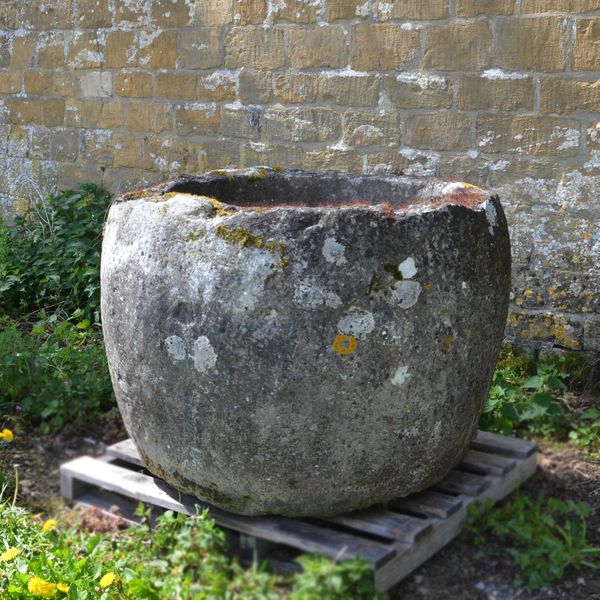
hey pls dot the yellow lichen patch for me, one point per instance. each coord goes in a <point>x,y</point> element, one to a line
<point>428,287</point>
<point>247,239</point>
<point>447,343</point>
<point>222,210</point>
<point>469,186</point>
<point>344,344</point>
<point>547,327</point>
<point>528,293</point>
<point>192,236</point>
<point>587,235</point>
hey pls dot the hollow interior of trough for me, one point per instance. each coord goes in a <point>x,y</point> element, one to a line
<point>302,189</point>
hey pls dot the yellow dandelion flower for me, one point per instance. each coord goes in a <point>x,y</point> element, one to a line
<point>49,525</point>
<point>7,435</point>
<point>62,587</point>
<point>39,588</point>
<point>107,579</point>
<point>9,554</point>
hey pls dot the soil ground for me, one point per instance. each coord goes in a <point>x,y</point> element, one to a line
<point>459,571</point>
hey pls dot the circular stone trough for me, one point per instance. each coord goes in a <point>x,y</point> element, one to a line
<point>303,343</point>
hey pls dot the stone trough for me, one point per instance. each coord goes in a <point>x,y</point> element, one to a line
<point>303,343</point>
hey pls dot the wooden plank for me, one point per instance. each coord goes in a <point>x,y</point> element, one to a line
<point>126,451</point>
<point>72,487</point>
<point>445,530</point>
<point>432,504</point>
<point>304,536</point>
<point>385,523</point>
<point>312,538</point>
<point>500,444</point>
<point>488,464</point>
<point>463,483</point>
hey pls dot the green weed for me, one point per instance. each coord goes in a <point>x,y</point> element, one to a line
<point>543,537</point>
<point>518,399</point>
<point>50,257</point>
<point>180,557</point>
<point>53,372</point>
<point>585,432</point>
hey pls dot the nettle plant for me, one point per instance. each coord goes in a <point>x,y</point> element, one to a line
<point>52,363</point>
<point>542,536</point>
<point>50,257</point>
<point>516,401</point>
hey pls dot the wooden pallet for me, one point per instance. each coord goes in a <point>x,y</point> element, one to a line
<point>395,540</point>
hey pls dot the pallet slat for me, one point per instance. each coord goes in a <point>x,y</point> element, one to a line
<point>444,530</point>
<point>394,542</point>
<point>488,464</point>
<point>126,451</point>
<point>429,503</point>
<point>460,482</point>
<point>385,523</point>
<point>500,444</point>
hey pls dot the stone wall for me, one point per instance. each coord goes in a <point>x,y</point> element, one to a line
<point>504,93</point>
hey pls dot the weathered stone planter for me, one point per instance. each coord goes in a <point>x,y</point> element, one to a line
<point>303,343</point>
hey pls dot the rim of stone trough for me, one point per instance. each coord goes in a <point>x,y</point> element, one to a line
<point>424,193</point>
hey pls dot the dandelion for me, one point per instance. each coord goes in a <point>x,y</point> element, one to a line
<point>40,588</point>
<point>49,525</point>
<point>62,587</point>
<point>9,554</point>
<point>107,579</point>
<point>7,435</point>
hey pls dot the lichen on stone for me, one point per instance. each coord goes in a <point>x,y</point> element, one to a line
<point>221,209</point>
<point>246,239</point>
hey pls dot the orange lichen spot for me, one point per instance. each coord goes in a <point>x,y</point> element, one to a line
<point>587,235</point>
<point>344,344</point>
